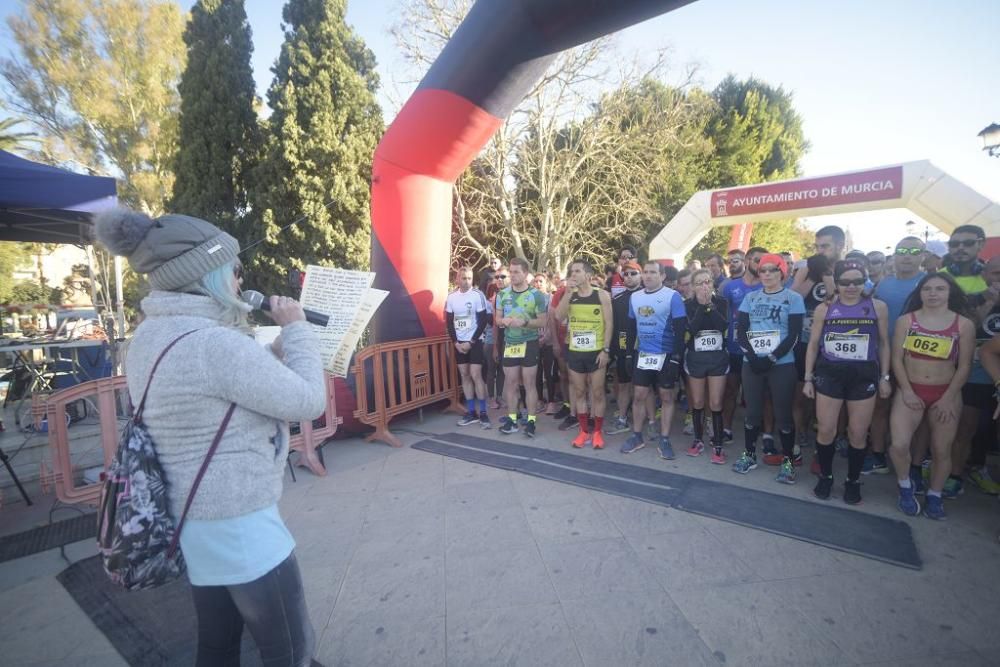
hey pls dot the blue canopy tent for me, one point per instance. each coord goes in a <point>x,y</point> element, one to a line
<point>44,204</point>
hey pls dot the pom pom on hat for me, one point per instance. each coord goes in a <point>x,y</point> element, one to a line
<point>121,229</point>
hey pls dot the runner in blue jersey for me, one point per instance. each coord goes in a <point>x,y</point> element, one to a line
<point>734,291</point>
<point>661,321</point>
<point>770,324</point>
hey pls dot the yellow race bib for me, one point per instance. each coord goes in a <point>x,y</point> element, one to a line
<point>938,347</point>
<point>622,340</point>
<point>514,350</point>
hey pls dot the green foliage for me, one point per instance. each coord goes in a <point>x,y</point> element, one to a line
<point>220,136</point>
<point>27,291</point>
<point>323,130</point>
<point>12,256</point>
<point>757,135</point>
<point>97,78</point>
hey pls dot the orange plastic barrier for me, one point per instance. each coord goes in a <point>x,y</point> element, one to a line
<point>102,393</point>
<point>393,378</point>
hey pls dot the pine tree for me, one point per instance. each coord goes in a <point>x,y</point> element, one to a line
<point>219,132</point>
<point>323,129</point>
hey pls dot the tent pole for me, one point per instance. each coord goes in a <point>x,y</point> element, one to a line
<point>119,299</point>
<point>93,276</point>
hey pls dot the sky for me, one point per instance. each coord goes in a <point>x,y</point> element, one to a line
<point>877,82</point>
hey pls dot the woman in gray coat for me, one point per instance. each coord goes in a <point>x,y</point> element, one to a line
<point>239,554</point>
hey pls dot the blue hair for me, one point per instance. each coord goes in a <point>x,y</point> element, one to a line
<point>221,286</point>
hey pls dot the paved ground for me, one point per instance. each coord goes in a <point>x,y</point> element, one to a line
<point>414,559</point>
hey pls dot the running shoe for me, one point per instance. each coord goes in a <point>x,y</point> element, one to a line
<point>875,464</point>
<point>551,408</point>
<point>852,492</point>
<point>953,488</point>
<point>666,451</point>
<point>569,422</point>
<point>797,457</point>
<point>562,412</point>
<point>934,509</point>
<point>469,418</point>
<point>529,429</point>
<point>907,502</point>
<point>746,463</point>
<point>823,487</point>
<point>786,473</point>
<point>508,425</point>
<point>718,457</point>
<point>598,440</point>
<point>981,477</point>
<point>917,482</point>
<point>633,444</point>
<point>523,418</point>
<point>772,456</point>
<point>619,425</point>
<point>484,421</point>
<point>727,435</point>
<point>696,448</point>
<point>581,440</point>
<point>688,425</point>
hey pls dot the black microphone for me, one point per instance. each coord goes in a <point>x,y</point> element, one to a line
<point>258,301</point>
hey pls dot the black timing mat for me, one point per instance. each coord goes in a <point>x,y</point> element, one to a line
<point>152,627</point>
<point>887,540</point>
<point>48,537</point>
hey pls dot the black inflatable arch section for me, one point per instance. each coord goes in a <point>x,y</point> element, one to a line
<point>498,52</point>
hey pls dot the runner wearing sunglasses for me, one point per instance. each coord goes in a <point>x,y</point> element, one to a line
<point>770,323</point>
<point>623,344</point>
<point>734,291</point>
<point>845,353</point>
<point>893,291</point>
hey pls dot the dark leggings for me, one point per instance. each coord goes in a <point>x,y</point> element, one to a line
<point>547,367</point>
<point>780,382</point>
<point>272,607</point>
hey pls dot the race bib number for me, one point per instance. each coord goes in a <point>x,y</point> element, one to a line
<point>583,341</point>
<point>463,323</point>
<point>514,350</point>
<point>708,341</point>
<point>938,347</point>
<point>849,347</point>
<point>650,362</point>
<point>764,343</point>
<point>622,340</point>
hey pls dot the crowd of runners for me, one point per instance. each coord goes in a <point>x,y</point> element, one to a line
<point>891,360</point>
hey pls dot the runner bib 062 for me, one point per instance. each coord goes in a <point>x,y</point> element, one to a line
<point>849,347</point>
<point>583,341</point>
<point>650,362</point>
<point>514,350</point>
<point>938,347</point>
<point>708,341</point>
<point>764,343</point>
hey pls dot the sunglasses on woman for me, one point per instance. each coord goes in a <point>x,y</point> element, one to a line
<point>502,276</point>
<point>857,282</point>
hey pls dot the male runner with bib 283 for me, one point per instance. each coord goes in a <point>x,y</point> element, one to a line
<point>661,321</point>
<point>466,319</point>
<point>520,311</point>
<point>590,324</point>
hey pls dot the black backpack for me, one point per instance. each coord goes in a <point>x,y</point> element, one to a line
<point>136,535</point>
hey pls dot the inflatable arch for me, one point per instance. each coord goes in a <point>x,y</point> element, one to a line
<point>930,193</point>
<point>491,62</point>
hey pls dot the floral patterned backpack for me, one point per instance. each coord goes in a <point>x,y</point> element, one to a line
<point>136,535</point>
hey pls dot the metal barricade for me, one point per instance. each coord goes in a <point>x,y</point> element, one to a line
<point>393,378</point>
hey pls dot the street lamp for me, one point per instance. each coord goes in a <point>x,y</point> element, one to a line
<point>991,139</point>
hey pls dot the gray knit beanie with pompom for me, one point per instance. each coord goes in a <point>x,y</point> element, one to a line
<point>173,250</point>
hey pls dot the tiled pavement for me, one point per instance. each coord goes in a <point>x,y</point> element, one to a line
<point>414,559</point>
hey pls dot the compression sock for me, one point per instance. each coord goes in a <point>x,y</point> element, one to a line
<point>598,424</point>
<point>482,405</point>
<point>855,462</point>
<point>698,419</point>
<point>717,429</point>
<point>824,454</point>
<point>750,434</point>
<point>583,419</point>
<point>787,443</point>
<point>470,406</point>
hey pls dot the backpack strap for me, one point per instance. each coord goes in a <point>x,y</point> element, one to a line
<point>137,413</point>
<point>197,479</point>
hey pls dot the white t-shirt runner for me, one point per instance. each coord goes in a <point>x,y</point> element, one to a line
<point>464,306</point>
